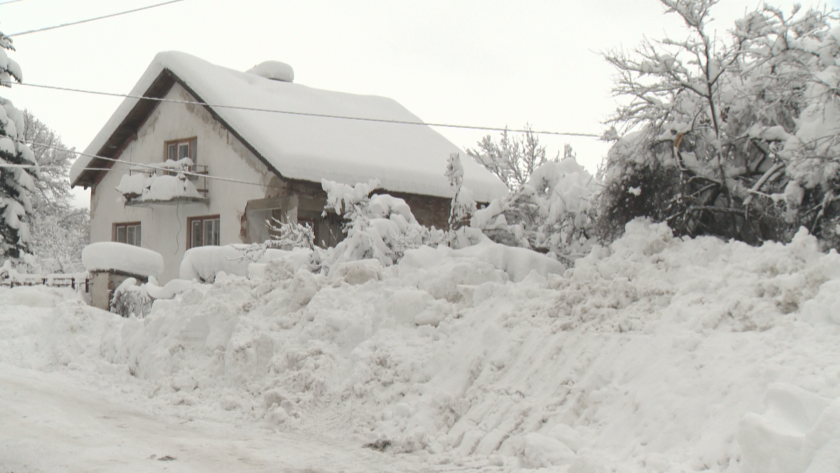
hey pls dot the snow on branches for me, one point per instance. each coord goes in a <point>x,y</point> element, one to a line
<point>512,159</point>
<point>715,130</point>
<point>553,212</point>
<point>18,167</point>
<point>378,227</point>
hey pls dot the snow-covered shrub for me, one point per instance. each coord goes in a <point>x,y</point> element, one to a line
<point>288,235</point>
<point>553,212</point>
<point>378,227</point>
<point>130,299</point>
<point>720,128</point>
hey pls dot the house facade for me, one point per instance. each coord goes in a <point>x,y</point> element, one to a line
<point>210,154</point>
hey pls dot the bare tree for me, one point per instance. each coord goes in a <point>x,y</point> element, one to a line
<point>53,194</point>
<point>513,158</point>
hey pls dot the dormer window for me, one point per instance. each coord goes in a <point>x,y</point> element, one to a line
<point>180,149</point>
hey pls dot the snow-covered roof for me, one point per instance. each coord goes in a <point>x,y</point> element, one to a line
<point>405,158</point>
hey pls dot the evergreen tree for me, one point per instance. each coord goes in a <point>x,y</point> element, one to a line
<point>18,167</point>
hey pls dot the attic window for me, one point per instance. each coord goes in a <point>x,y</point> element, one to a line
<point>179,149</point>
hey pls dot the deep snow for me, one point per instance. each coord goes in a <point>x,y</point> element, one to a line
<point>653,355</point>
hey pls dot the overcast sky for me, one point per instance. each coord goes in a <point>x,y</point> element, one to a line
<point>471,62</point>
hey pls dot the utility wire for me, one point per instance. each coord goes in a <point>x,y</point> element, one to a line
<point>140,165</point>
<point>10,1</point>
<point>91,19</point>
<point>308,114</point>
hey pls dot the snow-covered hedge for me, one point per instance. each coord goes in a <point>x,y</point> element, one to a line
<point>112,256</point>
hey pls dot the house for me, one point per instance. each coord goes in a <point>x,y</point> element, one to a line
<point>214,152</point>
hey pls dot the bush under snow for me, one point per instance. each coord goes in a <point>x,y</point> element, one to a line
<point>553,212</point>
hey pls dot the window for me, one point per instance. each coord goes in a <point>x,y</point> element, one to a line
<point>180,149</point>
<point>127,233</point>
<point>203,231</point>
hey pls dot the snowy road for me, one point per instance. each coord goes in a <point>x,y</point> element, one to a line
<point>49,422</point>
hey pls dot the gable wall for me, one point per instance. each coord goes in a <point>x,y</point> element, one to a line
<point>164,227</point>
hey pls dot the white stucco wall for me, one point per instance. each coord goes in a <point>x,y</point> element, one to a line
<point>164,227</point>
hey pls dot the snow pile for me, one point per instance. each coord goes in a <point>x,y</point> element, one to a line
<point>799,432</point>
<point>206,262</point>
<point>112,256</point>
<point>654,354</point>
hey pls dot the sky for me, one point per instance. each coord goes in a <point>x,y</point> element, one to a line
<point>470,62</point>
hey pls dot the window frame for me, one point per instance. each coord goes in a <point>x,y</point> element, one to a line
<point>202,219</point>
<point>192,142</point>
<point>115,232</point>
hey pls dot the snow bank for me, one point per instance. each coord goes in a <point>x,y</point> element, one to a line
<point>517,263</point>
<point>205,262</point>
<point>110,256</point>
<point>654,354</point>
<point>36,296</point>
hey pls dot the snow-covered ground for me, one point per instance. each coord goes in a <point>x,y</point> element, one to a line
<point>653,355</point>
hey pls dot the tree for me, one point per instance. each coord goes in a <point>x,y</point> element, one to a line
<point>512,158</point>
<point>18,168</point>
<point>60,231</point>
<point>719,135</point>
<point>53,194</point>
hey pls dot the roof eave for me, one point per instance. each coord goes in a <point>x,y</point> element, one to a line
<point>126,129</point>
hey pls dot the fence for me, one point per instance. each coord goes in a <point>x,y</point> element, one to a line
<point>72,281</point>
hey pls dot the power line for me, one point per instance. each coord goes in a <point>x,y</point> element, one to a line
<point>10,1</point>
<point>308,114</point>
<point>141,165</point>
<point>92,19</point>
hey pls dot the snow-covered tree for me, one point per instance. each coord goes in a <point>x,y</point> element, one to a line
<point>463,204</point>
<point>60,232</point>
<point>715,130</point>
<point>512,158</point>
<point>53,194</point>
<point>18,167</point>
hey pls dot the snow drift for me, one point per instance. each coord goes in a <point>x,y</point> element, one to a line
<point>654,354</point>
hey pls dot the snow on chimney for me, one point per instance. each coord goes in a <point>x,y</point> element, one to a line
<point>274,70</point>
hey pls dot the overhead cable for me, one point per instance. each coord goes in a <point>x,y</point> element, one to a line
<point>310,114</point>
<point>48,28</point>
<point>142,165</point>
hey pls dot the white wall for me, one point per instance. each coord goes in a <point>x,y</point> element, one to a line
<point>164,227</point>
